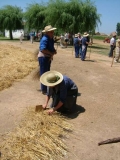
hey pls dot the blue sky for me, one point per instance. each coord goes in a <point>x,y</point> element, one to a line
<point>109,10</point>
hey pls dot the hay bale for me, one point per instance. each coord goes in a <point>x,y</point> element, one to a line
<point>40,136</point>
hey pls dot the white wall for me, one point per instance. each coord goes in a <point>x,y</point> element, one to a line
<point>15,33</point>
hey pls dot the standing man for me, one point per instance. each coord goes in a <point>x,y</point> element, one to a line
<point>117,51</point>
<point>76,45</point>
<point>62,41</point>
<point>21,37</point>
<point>112,45</point>
<point>80,44</point>
<point>46,52</point>
<point>66,36</point>
<point>32,36</point>
<point>85,43</point>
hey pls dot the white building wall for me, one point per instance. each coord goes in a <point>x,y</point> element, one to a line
<point>15,33</point>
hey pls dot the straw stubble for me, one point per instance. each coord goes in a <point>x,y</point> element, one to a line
<point>39,137</point>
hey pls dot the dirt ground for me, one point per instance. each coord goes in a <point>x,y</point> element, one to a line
<point>98,104</point>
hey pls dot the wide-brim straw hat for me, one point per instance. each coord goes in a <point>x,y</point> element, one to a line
<point>85,34</point>
<point>51,78</point>
<point>48,29</point>
<point>118,40</point>
<point>114,34</point>
<point>76,35</point>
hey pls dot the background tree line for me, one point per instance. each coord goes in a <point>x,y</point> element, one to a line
<point>71,16</point>
<point>118,29</point>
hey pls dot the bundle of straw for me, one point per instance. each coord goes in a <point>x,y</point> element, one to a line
<point>36,74</point>
<point>39,137</point>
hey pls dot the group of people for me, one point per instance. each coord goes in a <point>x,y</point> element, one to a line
<point>53,84</point>
<point>115,48</point>
<point>80,45</point>
<point>65,39</point>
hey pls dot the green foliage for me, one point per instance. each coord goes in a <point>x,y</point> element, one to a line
<point>10,14</point>
<point>11,18</point>
<point>72,16</point>
<point>118,29</point>
<point>35,16</point>
<point>67,16</point>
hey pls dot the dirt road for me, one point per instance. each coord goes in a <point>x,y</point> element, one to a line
<point>98,116</point>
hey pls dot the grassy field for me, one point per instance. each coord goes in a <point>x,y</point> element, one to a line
<point>100,48</point>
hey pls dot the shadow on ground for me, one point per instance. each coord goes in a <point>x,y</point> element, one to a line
<point>78,110</point>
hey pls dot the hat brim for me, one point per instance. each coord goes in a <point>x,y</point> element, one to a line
<point>43,78</point>
<point>117,40</point>
<point>86,35</point>
<point>52,29</point>
<point>76,36</point>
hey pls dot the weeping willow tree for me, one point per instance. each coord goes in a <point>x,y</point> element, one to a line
<point>73,15</point>
<point>35,16</point>
<point>11,18</point>
<point>90,18</point>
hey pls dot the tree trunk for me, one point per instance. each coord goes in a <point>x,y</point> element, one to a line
<point>11,36</point>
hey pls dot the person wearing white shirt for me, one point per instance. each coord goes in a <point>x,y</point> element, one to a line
<point>66,38</point>
<point>112,45</point>
<point>21,37</point>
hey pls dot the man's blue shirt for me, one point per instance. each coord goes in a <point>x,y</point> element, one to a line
<point>47,43</point>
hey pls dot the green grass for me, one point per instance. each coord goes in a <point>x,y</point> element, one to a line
<point>99,48</point>
<point>99,37</point>
<point>5,38</point>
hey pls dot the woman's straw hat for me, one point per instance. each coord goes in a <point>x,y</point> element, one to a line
<point>48,29</point>
<point>51,78</point>
<point>85,34</point>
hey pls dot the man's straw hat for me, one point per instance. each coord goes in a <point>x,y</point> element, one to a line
<point>114,34</point>
<point>51,78</point>
<point>48,29</point>
<point>76,35</point>
<point>85,34</point>
<point>118,40</point>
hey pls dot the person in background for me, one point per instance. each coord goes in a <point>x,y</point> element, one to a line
<point>32,34</point>
<point>76,45</point>
<point>62,41</point>
<point>21,38</point>
<point>46,52</point>
<point>66,36</point>
<point>112,45</point>
<point>117,50</point>
<point>62,90</point>
<point>85,43</point>
<point>80,44</point>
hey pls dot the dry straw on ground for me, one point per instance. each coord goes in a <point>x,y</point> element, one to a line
<point>15,63</point>
<point>39,137</point>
